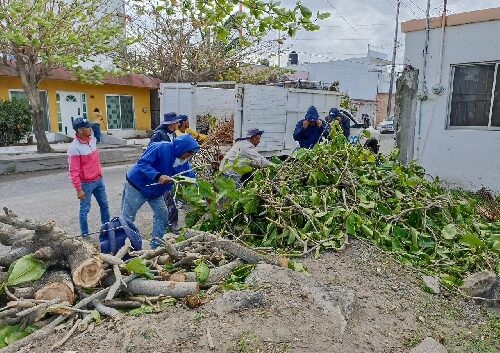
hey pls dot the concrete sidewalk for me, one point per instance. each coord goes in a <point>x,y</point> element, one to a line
<point>25,159</point>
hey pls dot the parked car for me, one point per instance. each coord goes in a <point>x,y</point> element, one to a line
<point>386,126</point>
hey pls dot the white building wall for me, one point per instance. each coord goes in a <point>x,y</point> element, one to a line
<point>218,102</point>
<point>463,156</point>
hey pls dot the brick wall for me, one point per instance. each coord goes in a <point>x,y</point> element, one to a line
<point>382,101</point>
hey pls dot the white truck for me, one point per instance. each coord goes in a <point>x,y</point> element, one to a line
<point>276,110</point>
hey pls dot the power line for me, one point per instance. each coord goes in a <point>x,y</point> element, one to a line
<point>418,7</point>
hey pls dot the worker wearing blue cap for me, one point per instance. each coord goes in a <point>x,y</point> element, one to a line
<point>166,130</point>
<point>310,130</point>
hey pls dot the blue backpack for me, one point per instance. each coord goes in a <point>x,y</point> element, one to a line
<point>114,233</point>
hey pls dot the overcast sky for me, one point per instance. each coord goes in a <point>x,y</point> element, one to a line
<point>356,23</point>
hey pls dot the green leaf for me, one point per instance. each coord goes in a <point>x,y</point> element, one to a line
<point>25,269</point>
<point>139,267</point>
<point>472,241</point>
<point>449,232</point>
<point>95,316</point>
<point>323,15</point>
<point>351,225</point>
<point>202,272</point>
<point>144,309</point>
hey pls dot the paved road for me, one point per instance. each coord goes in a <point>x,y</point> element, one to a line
<point>50,196</point>
<point>386,143</point>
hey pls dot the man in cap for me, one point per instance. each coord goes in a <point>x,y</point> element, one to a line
<point>166,130</point>
<point>344,121</point>
<point>150,178</point>
<point>185,129</point>
<point>85,173</point>
<point>310,130</point>
<point>244,148</point>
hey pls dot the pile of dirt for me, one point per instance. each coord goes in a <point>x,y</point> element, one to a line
<point>300,313</point>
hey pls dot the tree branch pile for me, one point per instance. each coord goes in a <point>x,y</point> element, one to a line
<point>53,277</point>
<point>319,197</point>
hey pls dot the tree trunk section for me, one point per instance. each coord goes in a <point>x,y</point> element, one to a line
<point>27,73</point>
<point>56,284</point>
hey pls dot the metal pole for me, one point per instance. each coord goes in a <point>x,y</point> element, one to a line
<point>393,64</point>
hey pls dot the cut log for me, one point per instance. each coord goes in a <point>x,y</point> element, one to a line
<point>56,284</point>
<point>167,288</point>
<point>53,243</point>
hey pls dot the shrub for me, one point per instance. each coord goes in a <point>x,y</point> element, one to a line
<point>16,121</point>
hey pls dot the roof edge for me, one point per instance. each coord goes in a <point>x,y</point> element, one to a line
<point>458,19</point>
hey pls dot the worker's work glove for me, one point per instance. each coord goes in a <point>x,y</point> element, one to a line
<point>320,123</point>
<point>305,124</point>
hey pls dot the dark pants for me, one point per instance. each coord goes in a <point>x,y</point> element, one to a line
<point>96,128</point>
<point>173,212</point>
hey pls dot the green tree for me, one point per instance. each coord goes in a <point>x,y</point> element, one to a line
<point>193,40</point>
<point>39,36</point>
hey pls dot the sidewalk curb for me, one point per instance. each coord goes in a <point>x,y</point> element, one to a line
<point>14,164</point>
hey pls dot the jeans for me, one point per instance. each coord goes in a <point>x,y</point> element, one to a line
<point>173,212</point>
<point>97,189</point>
<point>132,200</point>
<point>96,128</point>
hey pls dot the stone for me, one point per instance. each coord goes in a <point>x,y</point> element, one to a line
<point>235,301</point>
<point>432,284</point>
<point>337,302</point>
<point>482,285</point>
<point>429,345</point>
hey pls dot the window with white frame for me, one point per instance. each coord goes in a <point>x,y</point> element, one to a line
<point>475,98</point>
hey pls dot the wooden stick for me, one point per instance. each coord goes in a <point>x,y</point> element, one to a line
<point>116,286</point>
<point>67,336</point>
<point>122,304</point>
<point>103,309</point>
<point>124,249</point>
<point>47,330</point>
<point>38,307</point>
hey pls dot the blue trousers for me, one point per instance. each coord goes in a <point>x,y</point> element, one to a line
<point>96,128</point>
<point>97,189</point>
<point>132,201</point>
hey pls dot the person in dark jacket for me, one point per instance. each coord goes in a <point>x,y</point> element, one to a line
<point>166,130</point>
<point>344,121</point>
<point>149,179</point>
<point>310,130</point>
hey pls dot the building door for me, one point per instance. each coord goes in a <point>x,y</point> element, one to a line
<point>71,105</point>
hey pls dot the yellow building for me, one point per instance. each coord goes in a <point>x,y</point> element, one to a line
<point>123,101</point>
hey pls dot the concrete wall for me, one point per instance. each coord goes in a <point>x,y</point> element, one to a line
<point>465,157</point>
<point>218,102</point>
<point>95,96</point>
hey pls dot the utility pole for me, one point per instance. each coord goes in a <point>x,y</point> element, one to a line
<point>393,63</point>
<point>279,49</point>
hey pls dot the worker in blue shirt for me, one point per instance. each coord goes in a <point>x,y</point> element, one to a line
<point>310,130</point>
<point>344,121</point>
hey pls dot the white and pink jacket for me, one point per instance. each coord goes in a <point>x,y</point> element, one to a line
<point>84,163</point>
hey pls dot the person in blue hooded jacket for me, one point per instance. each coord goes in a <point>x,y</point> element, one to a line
<point>310,130</point>
<point>150,178</point>
<point>344,121</point>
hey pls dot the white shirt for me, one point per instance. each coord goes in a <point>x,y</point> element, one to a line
<point>246,150</point>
